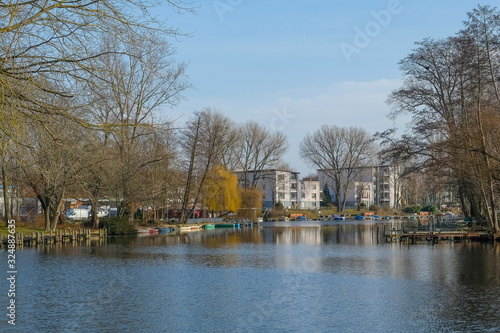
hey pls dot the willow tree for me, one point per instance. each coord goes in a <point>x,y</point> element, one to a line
<point>221,191</point>
<point>251,203</point>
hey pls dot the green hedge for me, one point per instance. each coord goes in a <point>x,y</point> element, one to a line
<point>430,208</point>
<point>117,226</point>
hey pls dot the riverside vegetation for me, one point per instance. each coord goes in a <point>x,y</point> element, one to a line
<point>71,126</point>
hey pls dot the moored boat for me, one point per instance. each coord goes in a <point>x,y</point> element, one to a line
<point>146,231</point>
<point>165,230</point>
<point>209,226</point>
<point>225,225</point>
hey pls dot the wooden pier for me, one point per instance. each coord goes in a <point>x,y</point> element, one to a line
<point>53,237</point>
<point>415,236</point>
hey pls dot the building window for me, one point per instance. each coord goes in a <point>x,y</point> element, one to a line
<point>313,204</point>
<point>293,196</point>
<point>314,186</point>
<point>313,195</point>
<point>303,195</point>
<point>293,186</point>
<point>281,177</point>
<point>302,186</point>
<point>294,176</point>
<point>281,195</point>
<point>281,187</point>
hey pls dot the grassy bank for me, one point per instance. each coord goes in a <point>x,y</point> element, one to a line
<point>27,228</point>
<point>312,214</point>
<point>20,229</point>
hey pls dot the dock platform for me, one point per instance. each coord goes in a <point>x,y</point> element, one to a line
<point>414,236</point>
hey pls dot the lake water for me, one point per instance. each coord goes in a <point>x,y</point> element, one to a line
<point>283,277</point>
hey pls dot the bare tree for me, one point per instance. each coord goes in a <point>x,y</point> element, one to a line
<point>204,141</point>
<point>260,149</point>
<point>49,160</point>
<point>56,41</point>
<point>5,143</point>
<point>451,90</point>
<point>341,153</point>
<point>125,101</point>
<point>48,48</point>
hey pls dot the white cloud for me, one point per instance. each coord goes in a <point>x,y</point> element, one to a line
<point>361,104</point>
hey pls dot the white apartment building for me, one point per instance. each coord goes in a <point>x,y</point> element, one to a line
<point>284,187</point>
<point>372,185</point>
<point>310,193</point>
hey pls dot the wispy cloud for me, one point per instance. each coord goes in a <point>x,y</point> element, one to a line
<point>298,111</point>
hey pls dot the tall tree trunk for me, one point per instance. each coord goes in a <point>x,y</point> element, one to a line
<point>55,211</point>
<point>5,181</point>
<point>337,197</point>
<point>46,212</point>
<point>189,180</point>
<point>94,211</point>
<point>187,189</point>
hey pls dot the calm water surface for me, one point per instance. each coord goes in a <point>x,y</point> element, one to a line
<point>283,277</point>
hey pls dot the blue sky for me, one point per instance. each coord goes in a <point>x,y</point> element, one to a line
<point>295,65</point>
